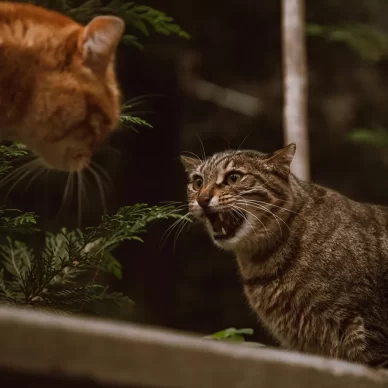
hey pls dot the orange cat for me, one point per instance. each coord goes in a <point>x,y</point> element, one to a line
<point>58,89</point>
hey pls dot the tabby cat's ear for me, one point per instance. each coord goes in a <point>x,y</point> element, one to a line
<point>189,163</point>
<point>99,41</point>
<point>281,159</point>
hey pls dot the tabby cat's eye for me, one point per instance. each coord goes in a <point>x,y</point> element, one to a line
<point>233,178</point>
<point>197,182</point>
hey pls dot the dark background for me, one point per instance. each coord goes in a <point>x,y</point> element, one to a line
<point>235,44</point>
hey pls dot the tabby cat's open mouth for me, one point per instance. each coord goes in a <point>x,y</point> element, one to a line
<point>225,224</point>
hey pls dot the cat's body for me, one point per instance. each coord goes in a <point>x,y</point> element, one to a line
<point>315,270</point>
<point>58,89</point>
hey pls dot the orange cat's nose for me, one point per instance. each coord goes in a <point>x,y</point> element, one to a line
<point>98,140</point>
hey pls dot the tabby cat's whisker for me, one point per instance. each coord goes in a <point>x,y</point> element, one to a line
<point>227,141</point>
<point>242,210</point>
<point>239,211</point>
<point>173,202</point>
<point>243,141</point>
<point>254,201</point>
<point>176,205</point>
<point>173,227</point>
<point>262,207</point>
<point>179,231</point>
<point>279,199</point>
<point>185,219</point>
<point>172,211</point>
<point>202,148</point>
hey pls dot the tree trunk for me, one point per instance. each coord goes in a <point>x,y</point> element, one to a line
<point>295,85</point>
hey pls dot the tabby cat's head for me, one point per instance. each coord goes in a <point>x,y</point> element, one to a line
<point>241,197</point>
<point>64,98</point>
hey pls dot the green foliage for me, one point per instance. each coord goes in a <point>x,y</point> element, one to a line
<point>127,121</point>
<point>375,137</point>
<point>231,334</point>
<point>8,154</point>
<point>62,275</point>
<point>140,17</point>
<point>234,335</point>
<point>370,43</point>
<point>15,221</point>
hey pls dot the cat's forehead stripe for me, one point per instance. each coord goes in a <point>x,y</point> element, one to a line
<point>227,161</point>
<point>223,169</point>
<point>230,165</point>
<point>217,159</point>
<point>220,176</point>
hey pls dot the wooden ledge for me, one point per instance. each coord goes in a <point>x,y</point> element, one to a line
<point>118,354</point>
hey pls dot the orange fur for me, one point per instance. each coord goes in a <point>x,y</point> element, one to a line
<point>58,88</point>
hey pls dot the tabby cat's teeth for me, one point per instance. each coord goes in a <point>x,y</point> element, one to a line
<point>221,215</point>
<point>223,231</point>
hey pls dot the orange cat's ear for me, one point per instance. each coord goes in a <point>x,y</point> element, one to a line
<point>99,40</point>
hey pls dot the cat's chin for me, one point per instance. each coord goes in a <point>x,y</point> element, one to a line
<point>77,163</point>
<point>232,243</point>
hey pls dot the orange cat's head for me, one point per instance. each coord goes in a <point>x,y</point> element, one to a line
<point>58,88</point>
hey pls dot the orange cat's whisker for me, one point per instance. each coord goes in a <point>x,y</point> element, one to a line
<point>103,174</point>
<point>19,174</point>
<point>68,190</point>
<point>99,185</point>
<point>81,195</point>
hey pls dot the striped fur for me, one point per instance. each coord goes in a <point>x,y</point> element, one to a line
<point>314,263</point>
<point>58,89</point>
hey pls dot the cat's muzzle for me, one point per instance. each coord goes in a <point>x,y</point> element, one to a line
<point>225,224</point>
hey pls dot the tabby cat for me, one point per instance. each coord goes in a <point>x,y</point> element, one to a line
<point>58,88</point>
<point>314,263</point>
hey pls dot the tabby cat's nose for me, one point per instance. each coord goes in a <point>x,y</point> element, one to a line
<point>203,200</point>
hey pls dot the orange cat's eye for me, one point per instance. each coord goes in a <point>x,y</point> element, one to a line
<point>233,178</point>
<point>197,183</point>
